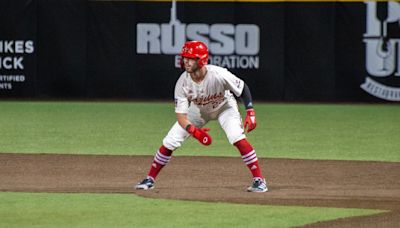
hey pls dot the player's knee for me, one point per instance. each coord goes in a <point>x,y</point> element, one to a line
<point>173,142</point>
<point>171,145</point>
<point>236,138</point>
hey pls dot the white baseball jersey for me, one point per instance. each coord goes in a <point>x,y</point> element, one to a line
<point>210,94</point>
<point>207,100</point>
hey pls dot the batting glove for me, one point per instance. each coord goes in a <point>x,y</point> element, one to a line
<point>250,121</point>
<point>199,134</point>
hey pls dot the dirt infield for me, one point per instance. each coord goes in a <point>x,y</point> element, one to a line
<point>349,184</point>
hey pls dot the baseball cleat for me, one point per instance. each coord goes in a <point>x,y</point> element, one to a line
<point>258,185</point>
<point>147,183</point>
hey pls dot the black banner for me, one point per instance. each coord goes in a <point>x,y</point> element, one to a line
<point>18,59</point>
<point>298,51</point>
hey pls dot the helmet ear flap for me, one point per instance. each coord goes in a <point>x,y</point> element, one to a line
<point>200,63</point>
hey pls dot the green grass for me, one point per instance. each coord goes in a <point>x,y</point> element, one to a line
<point>310,131</point>
<point>125,210</point>
<point>353,132</point>
<point>349,132</point>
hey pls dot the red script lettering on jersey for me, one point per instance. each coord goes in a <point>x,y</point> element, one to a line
<point>218,97</point>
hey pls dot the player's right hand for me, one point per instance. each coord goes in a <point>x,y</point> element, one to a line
<point>250,121</point>
<point>199,134</point>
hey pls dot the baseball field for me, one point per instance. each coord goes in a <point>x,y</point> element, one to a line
<point>74,164</point>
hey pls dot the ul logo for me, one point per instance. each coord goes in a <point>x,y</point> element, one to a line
<point>382,48</point>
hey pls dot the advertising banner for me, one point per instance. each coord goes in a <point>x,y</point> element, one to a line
<point>368,51</point>
<point>141,41</point>
<point>382,50</point>
<point>17,48</point>
<point>292,51</point>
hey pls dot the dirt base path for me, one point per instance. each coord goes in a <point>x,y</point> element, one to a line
<point>349,184</point>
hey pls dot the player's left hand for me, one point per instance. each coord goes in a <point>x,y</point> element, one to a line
<point>250,120</point>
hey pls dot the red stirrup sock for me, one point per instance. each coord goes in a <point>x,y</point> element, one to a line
<point>161,159</point>
<point>249,157</point>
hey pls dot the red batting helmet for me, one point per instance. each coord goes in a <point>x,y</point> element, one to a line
<point>195,50</point>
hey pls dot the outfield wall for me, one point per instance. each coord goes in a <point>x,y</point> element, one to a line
<point>298,51</point>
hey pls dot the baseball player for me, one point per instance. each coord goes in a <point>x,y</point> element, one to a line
<point>203,93</point>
